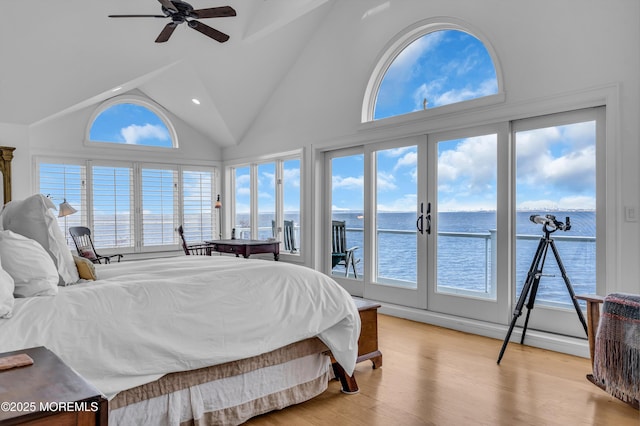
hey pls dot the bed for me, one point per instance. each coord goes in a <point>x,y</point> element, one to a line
<point>190,339</point>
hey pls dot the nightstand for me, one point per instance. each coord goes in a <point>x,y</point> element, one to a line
<point>48,393</point>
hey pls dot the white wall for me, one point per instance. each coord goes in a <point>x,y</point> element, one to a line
<point>550,52</point>
<point>64,137</point>
<point>18,137</point>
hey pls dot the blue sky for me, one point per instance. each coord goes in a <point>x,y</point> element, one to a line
<point>555,166</point>
<point>130,124</point>
<point>437,69</point>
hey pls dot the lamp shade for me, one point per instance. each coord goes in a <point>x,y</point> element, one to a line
<point>66,209</point>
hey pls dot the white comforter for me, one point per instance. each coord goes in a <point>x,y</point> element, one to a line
<point>144,319</point>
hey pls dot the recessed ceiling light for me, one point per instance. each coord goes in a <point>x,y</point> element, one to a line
<point>195,101</point>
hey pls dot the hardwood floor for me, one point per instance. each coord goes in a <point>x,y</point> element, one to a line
<point>435,376</point>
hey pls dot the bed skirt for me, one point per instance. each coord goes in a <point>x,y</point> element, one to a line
<point>616,365</point>
<point>230,393</point>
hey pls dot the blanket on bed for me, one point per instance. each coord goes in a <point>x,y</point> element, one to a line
<point>141,320</point>
<point>617,349</point>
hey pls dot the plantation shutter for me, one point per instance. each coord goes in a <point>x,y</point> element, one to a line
<point>199,215</point>
<point>113,225</point>
<point>65,182</point>
<point>159,205</point>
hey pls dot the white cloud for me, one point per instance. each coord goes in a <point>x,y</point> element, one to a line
<point>485,88</point>
<point>470,167</point>
<point>134,133</point>
<point>292,177</point>
<point>404,64</point>
<point>350,182</point>
<point>386,182</point>
<point>410,159</point>
<point>577,202</point>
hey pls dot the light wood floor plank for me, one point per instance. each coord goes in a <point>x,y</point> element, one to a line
<point>435,376</point>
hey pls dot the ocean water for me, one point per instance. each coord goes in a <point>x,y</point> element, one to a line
<point>465,251</point>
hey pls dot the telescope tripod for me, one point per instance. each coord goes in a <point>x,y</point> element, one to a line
<point>530,287</point>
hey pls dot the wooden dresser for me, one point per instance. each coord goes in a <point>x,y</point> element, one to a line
<point>48,392</point>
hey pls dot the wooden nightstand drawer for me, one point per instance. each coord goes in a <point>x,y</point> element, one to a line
<point>49,393</point>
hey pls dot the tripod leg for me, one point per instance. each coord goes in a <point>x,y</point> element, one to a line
<point>534,289</point>
<point>531,277</point>
<point>567,283</point>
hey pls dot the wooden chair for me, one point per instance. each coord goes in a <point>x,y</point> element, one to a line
<point>288,235</point>
<point>81,236</point>
<point>200,248</point>
<point>340,254</point>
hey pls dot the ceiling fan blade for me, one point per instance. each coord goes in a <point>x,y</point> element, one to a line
<point>208,31</point>
<point>213,12</point>
<point>137,16</point>
<point>166,32</point>
<point>168,5</point>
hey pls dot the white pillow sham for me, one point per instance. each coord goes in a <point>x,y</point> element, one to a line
<point>33,218</point>
<point>30,266</point>
<point>6,293</point>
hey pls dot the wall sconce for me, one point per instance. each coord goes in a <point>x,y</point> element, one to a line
<point>218,206</point>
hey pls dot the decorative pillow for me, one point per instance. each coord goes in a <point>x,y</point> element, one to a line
<point>86,270</point>
<point>33,218</point>
<point>6,293</point>
<point>30,266</point>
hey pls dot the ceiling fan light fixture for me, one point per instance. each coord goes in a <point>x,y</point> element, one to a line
<point>180,12</point>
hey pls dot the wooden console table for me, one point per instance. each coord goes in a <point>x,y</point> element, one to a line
<point>48,392</point>
<point>246,247</point>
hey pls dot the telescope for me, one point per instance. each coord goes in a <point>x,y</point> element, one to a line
<point>550,223</point>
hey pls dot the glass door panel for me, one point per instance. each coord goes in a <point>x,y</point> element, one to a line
<point>464,240</point>
<point>266,201</point>
<point>556,183</point>
<point>396,201</point>
<point>347,205</point>
<point>466,224</point>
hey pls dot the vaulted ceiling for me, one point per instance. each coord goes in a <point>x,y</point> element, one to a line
<point>60,57</point>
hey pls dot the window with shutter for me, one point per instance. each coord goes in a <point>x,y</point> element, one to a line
<point>113,219</point>
<point>159,206</point>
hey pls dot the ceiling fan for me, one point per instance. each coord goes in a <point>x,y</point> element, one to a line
<point>180,11</point>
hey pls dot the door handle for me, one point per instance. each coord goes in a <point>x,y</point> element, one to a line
<point>420,221</point>
<point>428,217</point>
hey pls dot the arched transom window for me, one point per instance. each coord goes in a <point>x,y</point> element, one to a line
<point>431,68</point>
<point>133,122</point>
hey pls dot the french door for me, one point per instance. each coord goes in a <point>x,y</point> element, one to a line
<point>441,221</point>
<point>422,241</point>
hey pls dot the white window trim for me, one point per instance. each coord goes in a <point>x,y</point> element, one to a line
<point>137,100</point>
<point>252,164</point>
<point>398,44</point>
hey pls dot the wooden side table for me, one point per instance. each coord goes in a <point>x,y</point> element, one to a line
<point>246,247</point>
<point>48,392</point>
<point>368,341</point>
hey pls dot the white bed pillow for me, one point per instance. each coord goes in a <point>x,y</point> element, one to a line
<point>33,218</point>
<point>6,293</point>
<point>30,266</point>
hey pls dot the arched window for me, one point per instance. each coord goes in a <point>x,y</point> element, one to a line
<point>131,121</point>
<point>430,66</point>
